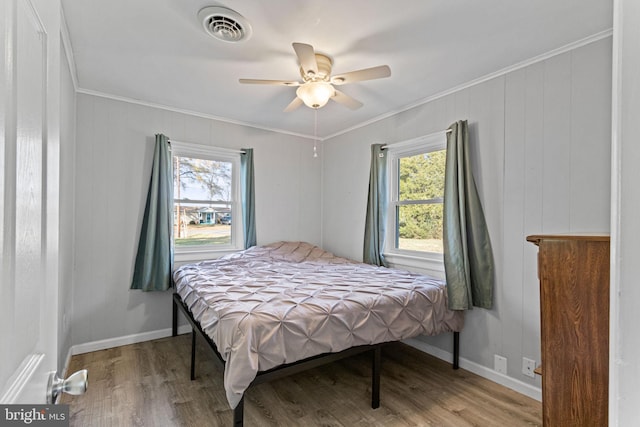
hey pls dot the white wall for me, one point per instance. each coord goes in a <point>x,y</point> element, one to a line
<point>624,361</point>
<point>540,137</point>
<point>114,150</point>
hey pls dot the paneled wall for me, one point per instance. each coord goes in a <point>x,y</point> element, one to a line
<point>540,141</point>
<point>114,150</point>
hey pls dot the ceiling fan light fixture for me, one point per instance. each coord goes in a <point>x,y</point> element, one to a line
<point>315,94</point>
<point>316,87</point>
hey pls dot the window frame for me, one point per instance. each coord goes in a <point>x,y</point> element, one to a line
<point>206,152</point>
<point>404,257</point>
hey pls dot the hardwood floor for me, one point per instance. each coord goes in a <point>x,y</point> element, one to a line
<point>147,384</point>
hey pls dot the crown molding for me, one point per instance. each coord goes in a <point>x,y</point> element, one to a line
<point>563,49</point>
<point>188,112</point>
<point>543,57</point>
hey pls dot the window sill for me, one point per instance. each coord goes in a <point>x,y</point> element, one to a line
<point>184,256</point>
<point>431,266</point>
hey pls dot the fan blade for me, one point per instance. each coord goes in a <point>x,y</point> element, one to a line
<point>269,82</point>
<point>346,100</point>
<point>293,105</point>
<point>360,75</point>
<point>307,58</point>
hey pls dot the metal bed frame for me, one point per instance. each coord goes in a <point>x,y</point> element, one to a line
<point>295,367</point>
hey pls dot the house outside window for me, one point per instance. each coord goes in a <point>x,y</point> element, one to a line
<point>416,191</point>
<point>206,204</point>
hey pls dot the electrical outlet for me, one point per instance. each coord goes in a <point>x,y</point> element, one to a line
<point>500,364</point>
<point>528,366</point>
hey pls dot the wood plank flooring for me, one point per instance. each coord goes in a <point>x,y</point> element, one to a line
<point>147,384</point>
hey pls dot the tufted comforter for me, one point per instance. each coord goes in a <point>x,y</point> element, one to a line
<point>276,304</point>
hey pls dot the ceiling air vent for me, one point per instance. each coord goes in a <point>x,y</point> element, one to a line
<point>225,24</point>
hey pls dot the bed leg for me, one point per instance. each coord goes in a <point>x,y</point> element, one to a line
<point>174,319</point>
<point>193,354</point>
<point>456,350</point>
<point>238,414</point>
<point>375,377</point>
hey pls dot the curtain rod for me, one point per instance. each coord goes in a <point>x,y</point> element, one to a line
<point>384,147</point>
<point>230,150</point>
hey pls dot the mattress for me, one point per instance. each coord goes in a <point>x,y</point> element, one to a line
<point>287,301</point>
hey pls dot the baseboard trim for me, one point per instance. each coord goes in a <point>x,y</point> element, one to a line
<point>126,340</point>
<point>483,371</point>
<point>512,383</point>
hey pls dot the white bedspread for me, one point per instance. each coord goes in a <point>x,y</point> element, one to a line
<point>287,301</point>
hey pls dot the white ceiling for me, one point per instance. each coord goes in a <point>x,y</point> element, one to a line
<point>156,51</point>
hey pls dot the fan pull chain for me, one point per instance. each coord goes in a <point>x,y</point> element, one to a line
<point>315,133</point>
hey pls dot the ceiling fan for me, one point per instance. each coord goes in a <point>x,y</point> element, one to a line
<point>317,85</point>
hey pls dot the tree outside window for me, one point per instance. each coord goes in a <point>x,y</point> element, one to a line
<point>416,191</point>
<point>202,201</point>
<point>419,205</point>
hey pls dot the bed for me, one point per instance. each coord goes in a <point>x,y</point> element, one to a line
<point>277,309</point>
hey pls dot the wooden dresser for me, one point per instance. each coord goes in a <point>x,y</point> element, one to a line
<point>574,318</point>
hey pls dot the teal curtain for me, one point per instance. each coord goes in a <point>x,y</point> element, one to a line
<point>248,197</point>
<point>152,270</point>
<point>468,258</point>
<point>376,221</point>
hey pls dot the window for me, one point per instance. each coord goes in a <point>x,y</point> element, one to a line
<point>416,181</point>
<point>206,208</point>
